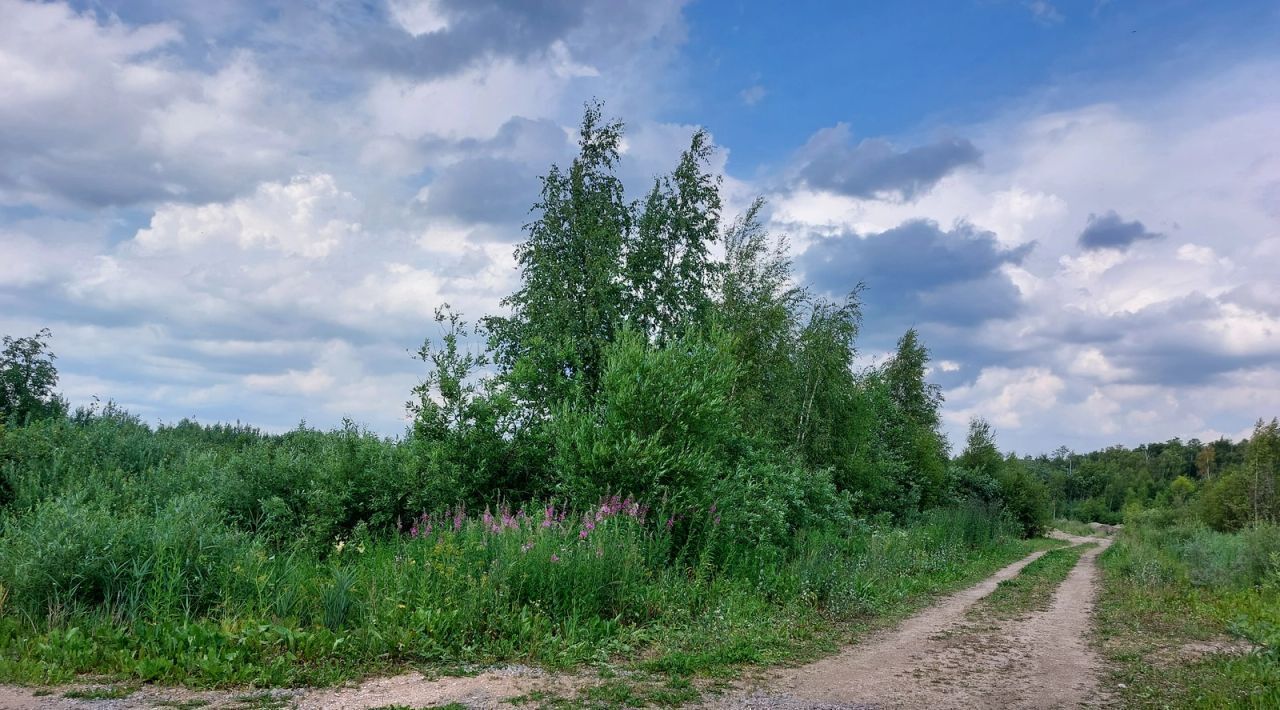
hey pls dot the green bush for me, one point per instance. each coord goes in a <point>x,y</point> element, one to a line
<point>72,554</point>
<point>661,427</point>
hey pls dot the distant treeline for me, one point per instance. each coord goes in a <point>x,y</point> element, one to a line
<point>1227,484</point>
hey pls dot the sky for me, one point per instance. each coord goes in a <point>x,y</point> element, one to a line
<point>248,210</point>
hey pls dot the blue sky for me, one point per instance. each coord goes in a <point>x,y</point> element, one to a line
<point>248,210</point>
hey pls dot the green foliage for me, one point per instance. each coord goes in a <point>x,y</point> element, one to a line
<point>27,379</point>
<point>1181,586</point>
<point>981,473</point>
<point>667,262</point>
<point>717,395</point>
<point>1024,497</point>
<point>571,301</point>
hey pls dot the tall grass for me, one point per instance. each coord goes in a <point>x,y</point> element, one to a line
<point>218,555</point>
<point>1174,585</point>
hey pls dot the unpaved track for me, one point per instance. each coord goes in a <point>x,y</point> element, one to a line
<point>939,658</point>
<point>942,659</point>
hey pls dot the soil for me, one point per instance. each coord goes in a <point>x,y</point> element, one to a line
<point>940,658</point>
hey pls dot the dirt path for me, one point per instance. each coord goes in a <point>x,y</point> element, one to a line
<point>941,659</point>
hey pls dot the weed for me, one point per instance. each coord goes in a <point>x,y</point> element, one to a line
<point>102,693</point>
<point>1032,589</point>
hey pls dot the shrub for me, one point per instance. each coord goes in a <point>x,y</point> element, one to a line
<point>661,427</point>
<point>1024,497</point>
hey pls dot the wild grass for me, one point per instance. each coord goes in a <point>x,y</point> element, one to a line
<point>1072,527</point>
<point>217,556</point>
<point>547,588</point>
<point>1033,588</point>
<point>1190,617</point>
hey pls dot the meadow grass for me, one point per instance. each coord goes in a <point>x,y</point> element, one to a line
<point>1189,617</point>
<point>1033,588</point>
<point>219,557</point>
<point>547,588</point>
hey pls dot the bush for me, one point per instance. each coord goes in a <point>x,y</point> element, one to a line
<point>759,508</point>
<point>1024,497</point>
<point>661,427</point>
<point>72,554</point>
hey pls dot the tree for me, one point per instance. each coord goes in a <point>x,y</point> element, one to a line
<point>27,379</point>
<point>668,261</point>
<point>757,306</point>
<point>571,302</point>
<point>1206,461</point>
<point>914,431</point>
<point>980,453</point>
<point>905,374</point>
<point>1262,465</point>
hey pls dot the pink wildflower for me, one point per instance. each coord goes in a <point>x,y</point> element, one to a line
<point>555,558</point>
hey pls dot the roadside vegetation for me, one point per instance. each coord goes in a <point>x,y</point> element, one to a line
<point>1032,589</point>
<point>1190,609</point>
<point>653,453</point>
<point>1190,617</point>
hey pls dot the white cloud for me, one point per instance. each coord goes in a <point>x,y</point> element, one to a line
<point>1005,396</point>
<point>307,217</point>
<point>1176,313</point>
<point>419,17</point>
<point>99,113</point>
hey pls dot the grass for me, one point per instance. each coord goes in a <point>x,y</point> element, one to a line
<point>103,693</point>
<point>167,556</point>
<point>1033,588</point>
<point>1072,527</point>
<point>543,589</point>
<point>1177,633</point>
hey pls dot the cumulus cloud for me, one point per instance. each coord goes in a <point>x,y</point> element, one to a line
<point>1138,337</point>
<point>874,167</point>
<point>97,113</point>
<point>917,272</point>
<point>1109,231</point>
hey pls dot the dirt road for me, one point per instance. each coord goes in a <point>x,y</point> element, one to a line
<point>941,658</point>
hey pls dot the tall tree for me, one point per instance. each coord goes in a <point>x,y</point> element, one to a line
<point>1262,466</point>
<point>571,302</point>
<point>913,427</point>
<point>757,305</point>
<point>27,379</point>
<point>668,262</point>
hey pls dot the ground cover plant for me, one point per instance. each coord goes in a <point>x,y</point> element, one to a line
<point>662,434</point>
<point>1033,588</point>
<point>1190,617</point>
